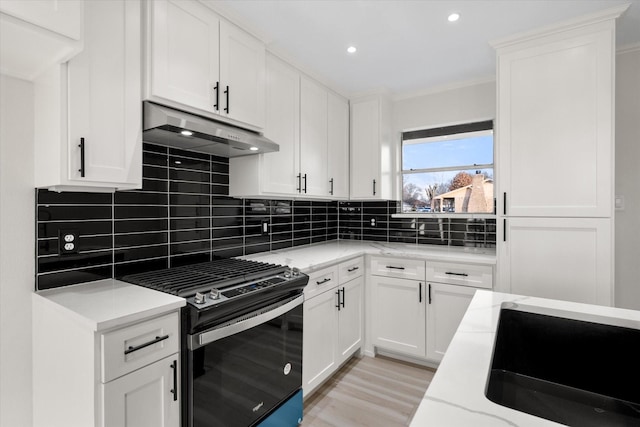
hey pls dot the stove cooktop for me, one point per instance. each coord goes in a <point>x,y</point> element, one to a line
<point>211,283</point>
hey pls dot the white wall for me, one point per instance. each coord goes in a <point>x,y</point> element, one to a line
<point>627,221</point>
<point>460,105</point>
<point>16,250</point>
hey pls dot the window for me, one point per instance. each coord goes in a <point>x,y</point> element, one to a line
<point>448,169</point>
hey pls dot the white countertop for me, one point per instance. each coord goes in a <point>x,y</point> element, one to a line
<point>320,255</point>
<point>455,396</point>
<point>108,303</point>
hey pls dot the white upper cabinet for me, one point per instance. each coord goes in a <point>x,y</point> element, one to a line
<point>199,62</point>
<point>242,72</point>
<point>313,138</point>
<point>338,147</point>
<point>371,152</point>
<point>49,31</point>
<point>88,111</point>
<point>184,54</point>
<point>555,123</point>
<point>311,126</point>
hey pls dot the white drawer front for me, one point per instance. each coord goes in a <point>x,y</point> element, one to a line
<point>130,348</point>
<point>350,269</point>
<point>398,267</point>
<point>477,276</point>
<point>321,281</point>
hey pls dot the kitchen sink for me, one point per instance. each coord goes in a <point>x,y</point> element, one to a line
<point>571,368</point>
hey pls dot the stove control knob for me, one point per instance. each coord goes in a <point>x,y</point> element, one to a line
<point>199,298</point>
<point>214,294</point>
<point>295,272</point>
<point>287,273</point>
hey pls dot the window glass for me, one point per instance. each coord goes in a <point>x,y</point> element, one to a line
<point>451,172</point>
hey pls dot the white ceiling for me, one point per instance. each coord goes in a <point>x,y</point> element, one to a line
<point>404,46</point>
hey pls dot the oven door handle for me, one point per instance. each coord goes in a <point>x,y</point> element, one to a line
<point>249,321</point>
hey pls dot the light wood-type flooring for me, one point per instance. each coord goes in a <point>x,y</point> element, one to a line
<point>368,392</point>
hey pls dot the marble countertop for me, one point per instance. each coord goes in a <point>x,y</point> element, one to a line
<point>109,303</point>
<point>455,396</point>
<point>317,256</point>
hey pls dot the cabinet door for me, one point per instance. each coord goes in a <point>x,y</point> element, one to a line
<point>446,307</point>
<point>313,138</point>
<point>184,63</point>
<point>319,343</point>
<point>559,258</point>
<point>282,126</point>
<point>350,318</point>
<point>242,75</point>
<point>104,96</point>
<point>144,398</point>
<point>555,135</point>
<point>365,149</point>
<point>398,315</point>
<point>338,146</point>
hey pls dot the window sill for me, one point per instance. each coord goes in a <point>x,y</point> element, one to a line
<point>444,215</point>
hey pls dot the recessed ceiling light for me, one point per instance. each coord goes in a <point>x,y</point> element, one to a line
<point>186,132</point>
<point>351,49</point>
<point>253,148</point>
<point>453,17</point>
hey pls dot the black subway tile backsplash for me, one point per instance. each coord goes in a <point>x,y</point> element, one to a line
<point>183,215</point>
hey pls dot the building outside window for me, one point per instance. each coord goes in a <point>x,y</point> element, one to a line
<point>448,169</point>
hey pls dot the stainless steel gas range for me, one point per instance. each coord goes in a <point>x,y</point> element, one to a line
<point>241,341</point>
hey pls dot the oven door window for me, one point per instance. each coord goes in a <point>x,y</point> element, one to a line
<point>239,379</point>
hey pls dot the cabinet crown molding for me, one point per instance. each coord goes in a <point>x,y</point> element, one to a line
<point>592,18</point>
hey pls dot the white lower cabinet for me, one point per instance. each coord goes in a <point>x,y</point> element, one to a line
<point>333,321</point>
<point>417,305</point>
<point>447,305</point>
<point>144,398</point>
<point>128,375</point>
<point>398,315</point>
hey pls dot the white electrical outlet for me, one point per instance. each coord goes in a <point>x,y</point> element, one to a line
<point>68,242</point>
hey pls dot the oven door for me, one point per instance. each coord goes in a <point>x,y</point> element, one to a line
<point>239,372</point>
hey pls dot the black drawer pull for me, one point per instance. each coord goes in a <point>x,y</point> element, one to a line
<point>456,274</point>
<point>131,348</point>
<point>325,280</point>
<point>394,267</point>
<point>352,269</point>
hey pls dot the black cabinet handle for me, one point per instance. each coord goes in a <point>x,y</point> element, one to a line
<point>504,203</point>
<point>305,183</point>
<point>325,280</point>
<point>456,274</point>
<point>374,187</point>
<point>217,89</point>
<point>420,292</point>
<point>226,109</point>
<point>394,267</point>
<point>429,293</point>
<point>331,190</point>
<point>341,290</point>
<point>81,145</point>
<point>174,390</point>
<point>338,303</point>
<point>504,230</point>
<point>131,348</point>
<point>349,270</point>
<point>299,178</point>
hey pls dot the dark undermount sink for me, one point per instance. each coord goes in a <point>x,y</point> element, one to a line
<point>573,370</point>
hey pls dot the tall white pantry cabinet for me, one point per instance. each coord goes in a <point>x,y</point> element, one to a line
<point>555,154</point>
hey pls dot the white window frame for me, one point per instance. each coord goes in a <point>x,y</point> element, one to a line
<point>445,133</point>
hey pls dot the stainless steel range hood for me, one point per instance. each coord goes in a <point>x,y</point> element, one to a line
<point>174,128</point>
